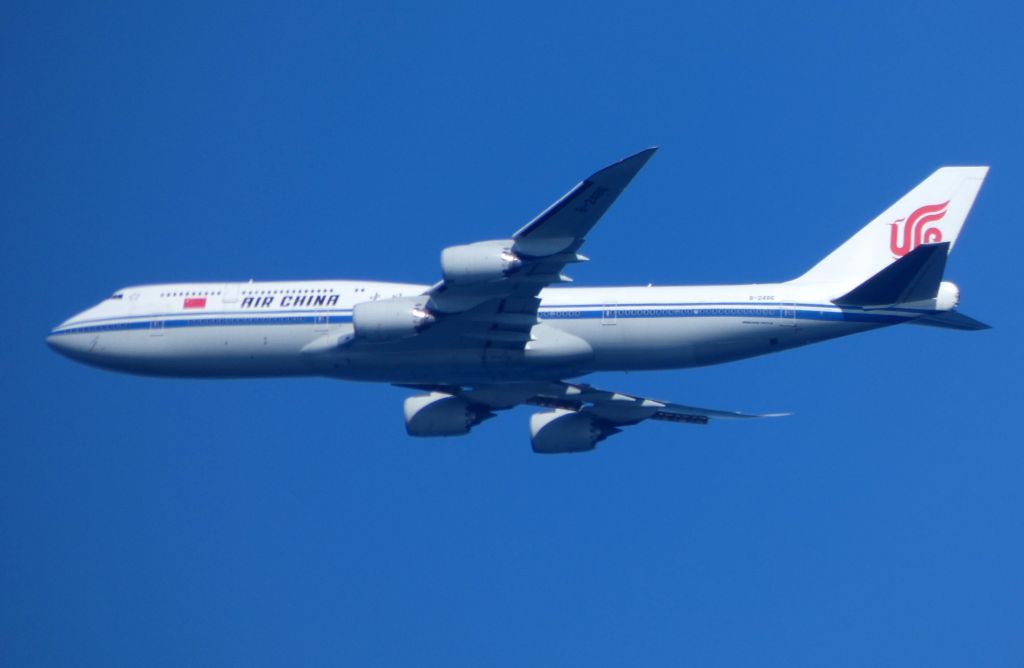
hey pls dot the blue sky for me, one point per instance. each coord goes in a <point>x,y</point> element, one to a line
<point>292,522</point>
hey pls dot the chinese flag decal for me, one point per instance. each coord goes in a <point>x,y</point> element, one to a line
<point>195,302</point>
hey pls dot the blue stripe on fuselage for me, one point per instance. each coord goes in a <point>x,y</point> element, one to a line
<point>726,312</point>
<point>583,312</point>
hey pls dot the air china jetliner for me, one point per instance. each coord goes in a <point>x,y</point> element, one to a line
<point>496,332</point>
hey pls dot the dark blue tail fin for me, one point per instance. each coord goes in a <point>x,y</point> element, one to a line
<point>951,320</point>
<point>914,277</point>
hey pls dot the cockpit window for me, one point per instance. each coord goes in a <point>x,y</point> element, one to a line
<point>117,295</point>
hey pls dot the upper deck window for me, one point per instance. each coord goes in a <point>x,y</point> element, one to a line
<point>117,295</point>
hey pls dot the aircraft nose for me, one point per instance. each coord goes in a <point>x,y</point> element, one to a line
<point>64,344</point>
<point>76,345</point>
<point>53,341</point>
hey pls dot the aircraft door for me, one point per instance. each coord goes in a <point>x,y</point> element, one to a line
<point>229,294</point>
<point>787,315</point>
<point>609,314</point>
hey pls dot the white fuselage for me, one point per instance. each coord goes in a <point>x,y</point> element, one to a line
<point>294,328</point>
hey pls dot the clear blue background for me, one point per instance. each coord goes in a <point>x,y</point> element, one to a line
<point>292,522</point>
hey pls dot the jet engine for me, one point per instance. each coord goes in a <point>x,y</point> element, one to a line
<point>479,262</point>
<point>439,414</point>
<point>567,431</point>
<point>390,319</point>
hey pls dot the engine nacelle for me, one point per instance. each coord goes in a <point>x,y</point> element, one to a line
<point>390,319</point>
<point>560,431</point>
<point>439,414</point>
<point>480,262</point>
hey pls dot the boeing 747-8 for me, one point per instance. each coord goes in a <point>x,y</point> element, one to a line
<point>499,329</point>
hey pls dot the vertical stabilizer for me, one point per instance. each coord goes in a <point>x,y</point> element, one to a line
<point>932,212</point>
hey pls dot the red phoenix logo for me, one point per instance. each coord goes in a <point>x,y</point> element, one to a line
<point>914,231</point>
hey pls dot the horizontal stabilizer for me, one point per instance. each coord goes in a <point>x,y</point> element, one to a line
<point>914,277</point>
<point>951,320</point>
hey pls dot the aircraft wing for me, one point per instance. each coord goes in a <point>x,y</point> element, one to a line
<point>581,415</point>
<point>488,296</point>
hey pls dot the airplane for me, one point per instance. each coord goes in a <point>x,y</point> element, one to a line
<point>500,329</point>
